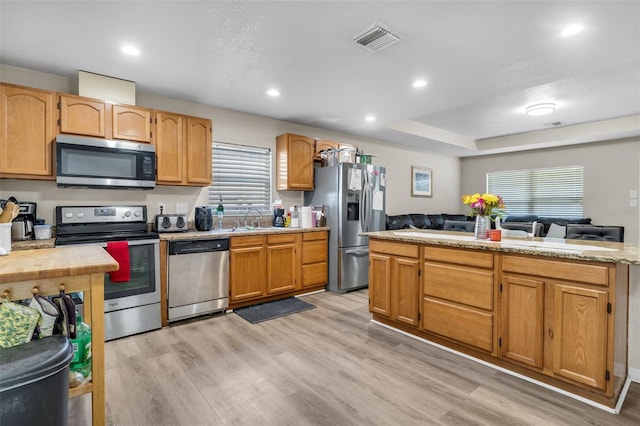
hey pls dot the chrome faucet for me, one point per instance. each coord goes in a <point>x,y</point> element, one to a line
<point>248,211</point>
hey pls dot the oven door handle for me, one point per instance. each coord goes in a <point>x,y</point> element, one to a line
<point>104,244</point>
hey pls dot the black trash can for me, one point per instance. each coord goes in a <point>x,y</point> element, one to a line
<point>34,382</point>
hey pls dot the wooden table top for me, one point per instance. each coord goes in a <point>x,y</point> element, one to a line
<point>23,265</point>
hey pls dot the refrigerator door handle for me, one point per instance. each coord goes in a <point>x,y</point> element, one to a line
<point>363,205</point>
<point>358,252</point>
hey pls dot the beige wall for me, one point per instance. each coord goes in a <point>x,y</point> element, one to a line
<point>241,128</point>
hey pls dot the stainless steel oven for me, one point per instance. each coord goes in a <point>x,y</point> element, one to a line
<point>133,306</point>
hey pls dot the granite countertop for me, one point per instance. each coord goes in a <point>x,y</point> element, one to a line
<point>33,244</point>
<point>597,251</point>
<point>229,232</point>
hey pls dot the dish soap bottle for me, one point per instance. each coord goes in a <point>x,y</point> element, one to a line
<point>220,213</point>
<point>81,361</point>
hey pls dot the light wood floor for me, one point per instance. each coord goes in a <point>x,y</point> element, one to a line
<point>325,366</point>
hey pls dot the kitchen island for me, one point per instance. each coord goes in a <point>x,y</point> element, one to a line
<point>552,311</point>
<point>74,269</point>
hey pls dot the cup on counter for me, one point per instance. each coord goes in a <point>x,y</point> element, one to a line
<point>43,232</point>
<point>495,235</point>
<point>5,236</point>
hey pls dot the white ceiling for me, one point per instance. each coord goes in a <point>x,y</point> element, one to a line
<point>484,62</point>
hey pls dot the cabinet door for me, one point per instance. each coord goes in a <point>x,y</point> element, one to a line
<point>27,124</point>
<point>247,266</point>
<point>198,151</point>
<point>281,268</point>
<point>322,144</point>
<point>169,148</point>
<point>380,284</point>
<point>580,337</point>
<point>522,319</point>
<point>405,290</point>
<point>131,123</point>
<point>301,150</point>
<point>82,116</point>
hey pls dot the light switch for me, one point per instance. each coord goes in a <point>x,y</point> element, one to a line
<point>181,208</point>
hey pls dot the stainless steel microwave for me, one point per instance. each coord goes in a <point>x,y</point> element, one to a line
<point>100,163</point>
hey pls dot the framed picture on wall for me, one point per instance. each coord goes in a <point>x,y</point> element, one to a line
<point>421,181</point>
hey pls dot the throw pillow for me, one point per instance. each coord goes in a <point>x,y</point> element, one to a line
<point>556,231</point>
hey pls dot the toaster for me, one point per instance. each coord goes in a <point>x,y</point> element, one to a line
<point>170,223</point>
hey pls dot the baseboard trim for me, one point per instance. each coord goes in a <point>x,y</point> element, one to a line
<point>634,375</point>
<point>310,293</point>
<point>615,410</point>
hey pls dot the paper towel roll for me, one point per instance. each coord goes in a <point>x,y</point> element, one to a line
<point>305,217</point>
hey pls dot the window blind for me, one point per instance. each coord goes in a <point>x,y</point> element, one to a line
<point>556,191</point>
<point>242,177</point>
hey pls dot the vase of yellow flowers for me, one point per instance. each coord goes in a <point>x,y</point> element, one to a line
<point>482,207</point>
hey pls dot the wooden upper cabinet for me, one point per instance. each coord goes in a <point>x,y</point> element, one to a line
<point>198,140</point>
<point>169,143</point>
<point>323,144</point>
<point>27,120</point>
<point>294,162</point>
<point>82,116</point>
<point>131,123</point>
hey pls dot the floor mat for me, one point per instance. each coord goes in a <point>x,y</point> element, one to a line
<point>279,308</point>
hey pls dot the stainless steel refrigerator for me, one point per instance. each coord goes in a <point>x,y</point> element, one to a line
<point>354,195</point>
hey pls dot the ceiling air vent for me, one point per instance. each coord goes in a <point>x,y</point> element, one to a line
<point>377,37</point>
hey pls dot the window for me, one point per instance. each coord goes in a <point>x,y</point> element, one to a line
<point>242,177</point>
<point>554,191</point>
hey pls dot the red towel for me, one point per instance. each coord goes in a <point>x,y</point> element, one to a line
<point>119,250</point>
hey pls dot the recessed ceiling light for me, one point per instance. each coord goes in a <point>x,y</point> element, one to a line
<point>571,30</point>
<point>540,109</point>
<point>273,92</point>
<point>370,118</point>
<point>419,83</point>
<point>130,50</point>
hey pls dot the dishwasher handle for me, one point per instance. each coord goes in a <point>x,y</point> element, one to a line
<point>198,246</point>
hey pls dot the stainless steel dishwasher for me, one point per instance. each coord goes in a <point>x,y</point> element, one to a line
<point>198,277</point>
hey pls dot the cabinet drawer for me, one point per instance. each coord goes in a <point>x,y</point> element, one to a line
<point>462,257</point>
<point>249,240</point>
<point>314,251</point>
<point>471,286</point>
<point>281,238</point>
<point>398,249</point>
<point>597,274</point>
<point>462,324</point>
<point>313,236</point>
<point>314,274</point>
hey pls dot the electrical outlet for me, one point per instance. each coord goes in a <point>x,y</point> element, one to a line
<point>632,203</point>
<point>162,208</point>
<point>182,208</point>
<point>633,194</point>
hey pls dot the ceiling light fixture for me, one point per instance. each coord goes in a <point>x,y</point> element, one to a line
<point>540,109</point>
<point>419,83</point>
<point>273,92</point>
<point>130,50</point>
<point>571,30</point>
<point>370,118</point>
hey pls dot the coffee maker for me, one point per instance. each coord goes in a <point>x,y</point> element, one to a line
<point>278,218</point>
<point>22,225</point>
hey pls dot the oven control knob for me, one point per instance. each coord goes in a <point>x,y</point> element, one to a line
<point>136,213</point>
<point>180,222</point>
<point>127,213</point>
<point>68,215</point>
<point>166,222</point>
<point>80,214</point>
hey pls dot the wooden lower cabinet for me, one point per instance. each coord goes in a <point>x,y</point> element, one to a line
<point>247,267</point>
<point>459,296</point>
<point>394,283</point>
<point>559,321</point>
<point>282,263</point>
<point>315,259</point>
<point>270,267</point>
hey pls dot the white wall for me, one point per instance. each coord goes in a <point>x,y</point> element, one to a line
<point>241,128</point>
